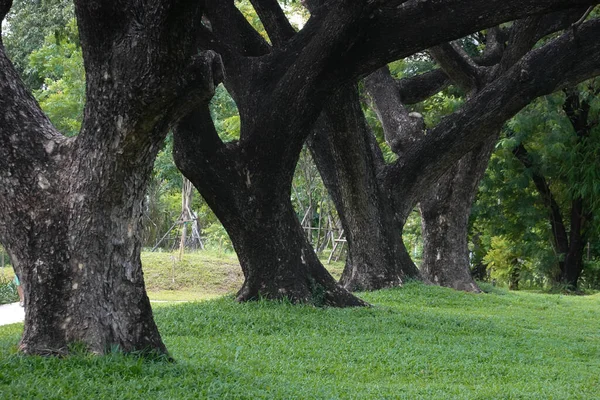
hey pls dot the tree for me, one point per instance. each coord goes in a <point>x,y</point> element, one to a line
<point>70,208</point>
<point>445,209</point>
<point>280,90</point>
<point>579,180</point>
<point>421,158</point>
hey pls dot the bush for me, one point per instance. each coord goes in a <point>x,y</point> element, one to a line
<point>8,291</point>
<point>590,276</point>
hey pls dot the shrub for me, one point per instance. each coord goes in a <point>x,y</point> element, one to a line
<point>8,291</point>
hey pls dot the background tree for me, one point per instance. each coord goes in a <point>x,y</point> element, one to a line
<point>397,186</point>
<point>549,154</point>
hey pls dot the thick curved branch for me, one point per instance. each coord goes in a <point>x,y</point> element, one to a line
<point>400,126</point>
<point>276,24</point>
<point>562,62</point>
<point>457,64</point>
<point>420,87</point>
<point>230,26</point>
<point>206,161</point>
<point>426,24</point>
<point>526,32</point>
<point>25,131</point>
<point>495,40</point>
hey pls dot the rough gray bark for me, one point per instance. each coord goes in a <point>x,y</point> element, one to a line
<point>276,258</point>
<point>445,211</point>
<point>71,209</point>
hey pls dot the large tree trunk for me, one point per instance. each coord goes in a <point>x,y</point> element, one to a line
<point>279,262</point>
<point>255,208</point>
<point>348,159</point>
<point>71,209</point>
<point>445,214</point>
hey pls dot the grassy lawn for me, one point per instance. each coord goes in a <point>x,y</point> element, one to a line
<point>418,342</point>
<point>198,276</point>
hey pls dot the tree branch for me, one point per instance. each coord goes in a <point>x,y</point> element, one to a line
<point>457,64</point>
<point>24,128</point>
<point>230,26</point>
<point>426,24</point>
<point>525,33</point>
<point>197,149</point>
<point>276,24</point>
<point>420,87</point>
<point>400,126</point>
<point>5,6</point>
<point>494,47</point>
<point>562,62</point>
<point>578,111</point>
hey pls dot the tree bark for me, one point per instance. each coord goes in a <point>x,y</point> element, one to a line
<point>71,209</point>
<point>445,210</point>
<point>348,159</point>
<point>341,162</point>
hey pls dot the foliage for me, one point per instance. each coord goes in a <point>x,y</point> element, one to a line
<point>8,290</point>
<point>590,277</point>
<point>62,95</point>
<point>412,236</point>
<point>29,25</point>
<point>418,342</point>
<point>225,115</point>
<point>216,237</point>
<point>509,213</point>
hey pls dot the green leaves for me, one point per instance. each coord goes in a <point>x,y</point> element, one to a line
<point>510,210</point>
<point>59,64</point>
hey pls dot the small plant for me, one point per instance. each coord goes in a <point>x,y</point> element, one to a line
<point>318,293</point>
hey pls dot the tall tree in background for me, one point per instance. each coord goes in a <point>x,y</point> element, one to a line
<point>280,89</point>
<point>374,197</point>
<point>70,208</point>
<point>445,209</point>
<point>570,214</point>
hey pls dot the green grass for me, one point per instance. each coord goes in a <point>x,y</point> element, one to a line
<point>198,276</point>
<point>418,342</point>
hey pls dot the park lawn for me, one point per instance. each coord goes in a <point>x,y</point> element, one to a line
<point>416,342</point>
<point>198,275</point>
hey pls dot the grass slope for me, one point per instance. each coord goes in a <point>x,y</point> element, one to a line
<point>198,276</point>
<point>418,342</point>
